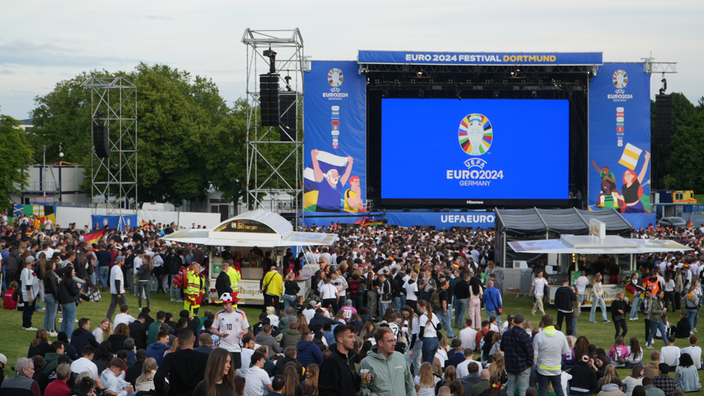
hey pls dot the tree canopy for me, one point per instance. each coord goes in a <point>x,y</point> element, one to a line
<point>15,155</point>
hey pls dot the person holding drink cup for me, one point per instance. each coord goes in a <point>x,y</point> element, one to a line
<point>385,371</point>
<point>338,376</point>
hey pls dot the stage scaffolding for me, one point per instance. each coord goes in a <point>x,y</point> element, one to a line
<point>275,154</point>
<point>114,179</point>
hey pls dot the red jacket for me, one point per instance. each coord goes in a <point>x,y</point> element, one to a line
<point>8,299</point>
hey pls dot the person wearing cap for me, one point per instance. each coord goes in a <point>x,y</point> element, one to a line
<point>518,355</point>
<point>117,286</point>
<point>30,290</point>
<point>231,325</point>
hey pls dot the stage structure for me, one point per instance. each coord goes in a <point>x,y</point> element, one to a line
<point>275,66</point>
<point>114,146</point>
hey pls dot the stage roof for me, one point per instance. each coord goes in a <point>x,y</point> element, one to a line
<point>256,228</point>
<point>567,221</point>
<point>590,244</point>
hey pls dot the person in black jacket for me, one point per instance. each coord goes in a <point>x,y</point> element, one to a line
<point>185,368</point>
<point>584,377</point>
<point>223,283</point>
<point>619,310</point>
<point>564,296</point>
<point>51,297</point>
<point>138,331</point>
<point>338,376</point>
<point>82,336</point>
<point>68,294</point>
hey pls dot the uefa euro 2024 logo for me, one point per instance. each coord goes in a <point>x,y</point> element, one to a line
<point>620,79</point>
<point>475,134</point>
<point>335,77</point>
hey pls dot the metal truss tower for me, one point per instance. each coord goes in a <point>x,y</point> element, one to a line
<point>275,153</point>
<point>114,173</point>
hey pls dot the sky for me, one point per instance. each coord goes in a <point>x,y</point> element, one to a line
<point>44,42</point>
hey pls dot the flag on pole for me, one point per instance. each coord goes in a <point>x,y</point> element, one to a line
<point>94,237</point>
<point>689,223</point>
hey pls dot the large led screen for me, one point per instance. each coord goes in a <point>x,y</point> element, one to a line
<point>474,150</point>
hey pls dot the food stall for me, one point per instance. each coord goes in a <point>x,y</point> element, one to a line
<point>253,234</point>
<point>571,249</point>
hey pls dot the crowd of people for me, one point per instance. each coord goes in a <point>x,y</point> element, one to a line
<point>392,311</point>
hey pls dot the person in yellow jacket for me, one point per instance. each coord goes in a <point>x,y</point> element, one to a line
<point>272,286</point>
<point>235,277</point>
<point>194,289</point>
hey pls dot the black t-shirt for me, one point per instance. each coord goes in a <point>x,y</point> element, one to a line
<point>444,297</point>
<point>202,390</point>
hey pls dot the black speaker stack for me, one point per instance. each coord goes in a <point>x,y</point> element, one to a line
<point>287,121</point>
<point>269,96</point>
<point>101,141</point>
<point>662,128</point>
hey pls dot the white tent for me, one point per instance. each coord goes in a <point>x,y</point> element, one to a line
<point>256,228</point>
<point>591,244</point>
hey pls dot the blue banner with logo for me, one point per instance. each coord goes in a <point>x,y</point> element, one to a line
<point>115,221</point>
<point>619,138</point>
<point>335,138</point>
<point>442,220</point>
<point>481,58</point>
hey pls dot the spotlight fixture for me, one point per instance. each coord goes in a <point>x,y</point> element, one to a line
<point>288,83</point>
<point>272,59</point>
<point>458,95</point>
<point>419,74</point>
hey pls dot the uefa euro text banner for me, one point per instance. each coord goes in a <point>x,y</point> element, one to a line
<point>619,138</point>
<point>335,138</point>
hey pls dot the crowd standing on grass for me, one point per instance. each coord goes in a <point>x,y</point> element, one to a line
<point>380,319</point>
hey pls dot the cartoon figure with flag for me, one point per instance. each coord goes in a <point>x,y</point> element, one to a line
<point>632,190</point>
<point>329,181</point>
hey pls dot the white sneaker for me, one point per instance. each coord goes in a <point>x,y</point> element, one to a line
<point>52,334</point>
<point>649,346</point>
<point>30,328</point>
<point>695,330</point>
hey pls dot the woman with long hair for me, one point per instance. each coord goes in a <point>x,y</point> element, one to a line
<point>219,375</point>
<point>310,384</point>
<point>103,356</point>
<point>291,290</point>
<point>598,292</point>
<point>635,353</point>
<point>68,295</point>
<point>40,344</point>
<point>618,352</point>
<point>145,275</point>
<point>639,390</point>
<point>356,287</point>
<point>633,380</point>
<point>691,304</point>
<point>425,380</point>
<point>415,348</point>
<point>686,376</point>
<point>440,358</point>
<point>498,368</point>
<point>292,385</point>
<point>117,339</point>
<point>475,294</point>
<point>456,388</point>
<point>610,377</point>
<point>51,296</point>
<point>145,382</point>
<point>40,270</point>
<point>103,331</point>
<point>449,376</point>
<point>367,331</point>
<point>428,333</point>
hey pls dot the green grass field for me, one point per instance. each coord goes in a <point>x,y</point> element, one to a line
<point>14,342</point>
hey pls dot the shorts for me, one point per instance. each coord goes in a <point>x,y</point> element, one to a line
<point>236,362</point>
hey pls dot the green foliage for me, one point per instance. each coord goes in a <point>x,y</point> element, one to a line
<point>15,155</point>
<point>189,141</point>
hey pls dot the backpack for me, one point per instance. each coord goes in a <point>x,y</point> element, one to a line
<point>435,302</point>
<point>180,280</point>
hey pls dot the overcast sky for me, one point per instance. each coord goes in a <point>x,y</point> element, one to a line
<point>44,42</point>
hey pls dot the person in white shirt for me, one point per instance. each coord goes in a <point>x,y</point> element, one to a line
<point>462,367</point>
<point>670,354</point>
<point>256,378</point>
<point>86,362</point>
<point>123,317</point>
<point>468,336</point>
<point>111,378</point>
<point>539,285</point>
<point>230,325</point>
<point>117,286</point>
<point>694,351</point>
<point>582,282</point>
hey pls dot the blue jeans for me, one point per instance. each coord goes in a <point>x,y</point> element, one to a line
<point>574,326</point>
<point>460,312</point>
<point>692,317</point>
<point>50,315</point>
<point>416,356</point>
<point>654,326</point>
<point>289,300</point>
<point>92,278</point>
<point>446,321</point>
<point>543,385</point>
<point>496,314</point>
<point>153,283</point>
<point>397,304</point>
<point>634,307</point>
<point>103,275</point>
<point>521,379</point>
<point>430,346</point>
<point>69,318</point>
<point>382,308</point>
<point>602,304</point>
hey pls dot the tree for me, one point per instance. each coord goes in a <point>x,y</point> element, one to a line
<point>687,153</point>
<point>15,155</point>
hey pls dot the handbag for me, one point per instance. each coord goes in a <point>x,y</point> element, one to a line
<point>267,284</point>
<point>619,317</point>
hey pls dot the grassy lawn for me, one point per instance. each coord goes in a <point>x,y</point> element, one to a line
<point>14,342</point>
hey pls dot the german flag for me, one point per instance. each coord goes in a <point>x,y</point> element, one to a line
<point>371,223</point>
<point>94,237</point>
